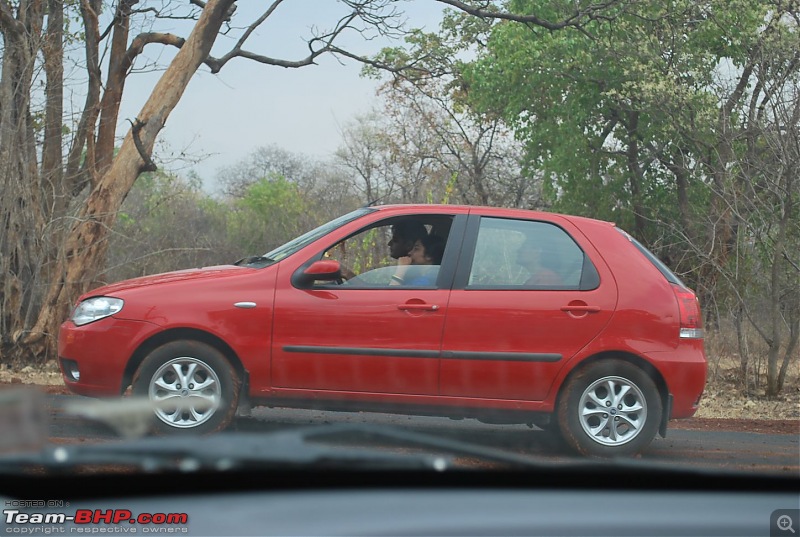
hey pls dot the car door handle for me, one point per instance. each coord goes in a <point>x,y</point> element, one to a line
<point>417,307</point>
<point>580,309</point>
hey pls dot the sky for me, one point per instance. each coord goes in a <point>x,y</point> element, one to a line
<point>225,117</point>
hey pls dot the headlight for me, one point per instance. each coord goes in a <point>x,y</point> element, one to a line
<point>93,309</point>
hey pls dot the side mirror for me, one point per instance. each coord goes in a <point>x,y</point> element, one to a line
<point>325,269</point>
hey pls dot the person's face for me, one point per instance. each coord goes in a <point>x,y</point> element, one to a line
<point>417,255</point>
<point>398,247</point>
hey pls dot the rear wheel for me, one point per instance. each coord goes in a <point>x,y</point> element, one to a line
<point>193,385</point>
<point>609,408</point>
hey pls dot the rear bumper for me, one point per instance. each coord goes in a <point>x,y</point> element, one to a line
<point>684,372</point>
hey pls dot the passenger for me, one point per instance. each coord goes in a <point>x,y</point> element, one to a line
<point>405,235</point>
<point>412,269</point>
<point>530,256</point>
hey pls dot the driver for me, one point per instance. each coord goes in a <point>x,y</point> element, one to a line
<point>405,234</point>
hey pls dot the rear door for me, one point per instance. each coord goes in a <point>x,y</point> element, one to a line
<point>515,314</point>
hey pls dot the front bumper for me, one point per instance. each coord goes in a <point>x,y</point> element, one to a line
<point>101,350</point>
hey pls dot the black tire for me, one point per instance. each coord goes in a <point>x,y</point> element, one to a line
<point>597,419</point>
<point>209,390</point>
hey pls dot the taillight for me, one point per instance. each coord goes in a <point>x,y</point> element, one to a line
<point>691,316</point>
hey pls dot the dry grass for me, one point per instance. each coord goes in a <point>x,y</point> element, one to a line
<point>733,394</point>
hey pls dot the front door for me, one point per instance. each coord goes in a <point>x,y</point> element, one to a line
<point>369,334</point>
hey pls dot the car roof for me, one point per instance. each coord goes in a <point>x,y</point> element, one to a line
<point>484,210</point>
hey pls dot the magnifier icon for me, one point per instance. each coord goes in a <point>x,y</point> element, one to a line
<point>784,523</point>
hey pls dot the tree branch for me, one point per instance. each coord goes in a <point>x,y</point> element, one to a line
<point>256,24</point>
<point>238,52</point>
<point>149,165</point>
<point>574,20</point>
<point>84,139</point>
<point>140,41</point>
<point>7,20</point>
<point>228,15</point>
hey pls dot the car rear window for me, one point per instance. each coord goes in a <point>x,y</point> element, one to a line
<point>526,254</point>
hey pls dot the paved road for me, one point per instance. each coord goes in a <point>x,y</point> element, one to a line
<point>773,453</point>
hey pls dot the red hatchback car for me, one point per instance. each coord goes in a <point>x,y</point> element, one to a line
<point>503,315</point>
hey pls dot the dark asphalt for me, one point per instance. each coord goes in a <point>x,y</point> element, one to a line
<point>723,450</point>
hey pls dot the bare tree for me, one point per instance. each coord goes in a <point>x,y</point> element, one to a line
<point>476,149</point>
<point>478,152</point>
<point>269,161</point>
<point>391,159</point>
<point>752,229</point>
<point>766,206</point>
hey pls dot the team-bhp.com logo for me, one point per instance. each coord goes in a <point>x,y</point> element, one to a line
<point>93,521</point>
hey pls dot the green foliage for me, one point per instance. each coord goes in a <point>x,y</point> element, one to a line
<point>271,211</point>
<point>637,86</point>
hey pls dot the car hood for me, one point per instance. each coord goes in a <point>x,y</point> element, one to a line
<point>203,273</point>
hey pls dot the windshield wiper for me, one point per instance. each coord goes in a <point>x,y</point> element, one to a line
<point>255,260</point>
<point>339,446</point>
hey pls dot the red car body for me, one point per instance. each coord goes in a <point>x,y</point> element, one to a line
<point>453,349</point>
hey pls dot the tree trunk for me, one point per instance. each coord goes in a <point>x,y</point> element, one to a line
<point>21,220</point>
<point>53,52</point>
<point>115,84</point>
<point>744,350</point>
<point>636,175</point>
<point>87,243</point>
<point>774,378</point>
<point>82,148</point>
<point>789,353</point>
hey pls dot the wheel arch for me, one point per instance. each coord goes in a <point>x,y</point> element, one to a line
<point>176,334</point>
<point>631,358</point>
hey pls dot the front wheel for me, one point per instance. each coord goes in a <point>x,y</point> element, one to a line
<point>609,408</point>
<point>194,387</point>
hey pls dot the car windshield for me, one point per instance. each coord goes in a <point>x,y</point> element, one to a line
<point>555,242</point>
<point>302,241</point>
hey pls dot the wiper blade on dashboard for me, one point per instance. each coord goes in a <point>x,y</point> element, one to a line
<point>340,446</point>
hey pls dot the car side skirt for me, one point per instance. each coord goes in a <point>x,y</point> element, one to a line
<point>410,404</point>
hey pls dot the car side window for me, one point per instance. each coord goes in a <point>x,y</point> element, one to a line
<point>525,254</point>
<point>363,252</point>
<point>373,257</point>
